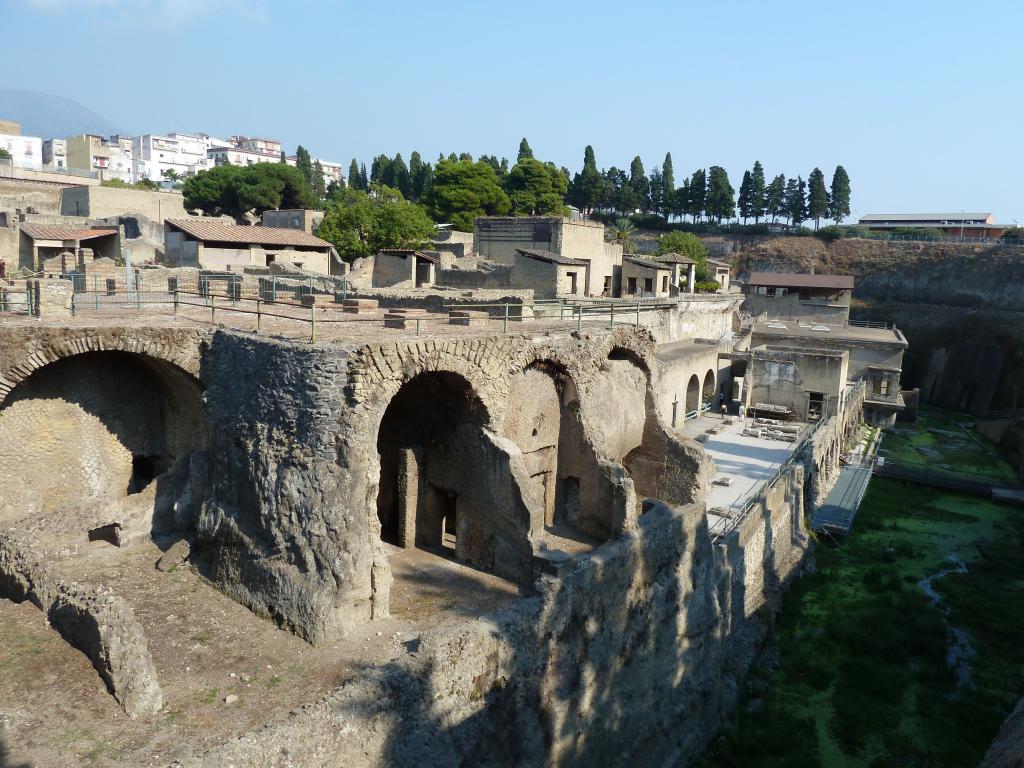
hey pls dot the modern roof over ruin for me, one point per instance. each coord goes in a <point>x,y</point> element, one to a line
<point>553,258</point>
<point>44,232</point>
<point>801,280</point>
<point>674,258</point>
<point>937,218</point>
<point>234,233</point>
<point>431,257</point>
<point>648,264</point>
<point>791,329</point>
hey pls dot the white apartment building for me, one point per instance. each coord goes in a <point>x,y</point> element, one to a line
<point>183,153</point>
<point>55,154</point>
<point>255,144</point>
<point>332,171</point>
<point>121,159</point>
<point>25,151</point>
<point>239,156</point>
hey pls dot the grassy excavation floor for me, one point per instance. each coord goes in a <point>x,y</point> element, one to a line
<point>857,672</point>
<point>941,443</point>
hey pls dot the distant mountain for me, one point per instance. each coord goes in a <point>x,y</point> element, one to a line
<point>42,114</point>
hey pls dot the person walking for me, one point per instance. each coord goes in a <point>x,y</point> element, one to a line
<point>3,269</point>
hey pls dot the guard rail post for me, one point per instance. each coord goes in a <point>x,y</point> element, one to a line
<point>504,327</point>
<point>257,314</point>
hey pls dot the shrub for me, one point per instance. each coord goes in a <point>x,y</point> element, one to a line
<point>706,286</point>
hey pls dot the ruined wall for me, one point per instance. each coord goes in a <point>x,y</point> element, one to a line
<point>102,202</point>
<point>290,524</point>
<point>632,657</point>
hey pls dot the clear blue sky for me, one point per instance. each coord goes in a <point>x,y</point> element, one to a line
<point>920,100</point>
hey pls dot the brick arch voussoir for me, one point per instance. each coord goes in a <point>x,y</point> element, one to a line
<point>66,348</point>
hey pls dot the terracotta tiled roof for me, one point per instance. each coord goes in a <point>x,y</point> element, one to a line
<point>674,258</point>
<point>646,263</point>
<point>44,232</point>
<point>553,258</point>
<point>233,233</point>
<point>801,280</point>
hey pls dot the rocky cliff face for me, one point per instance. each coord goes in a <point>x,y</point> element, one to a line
<point>960,306</point>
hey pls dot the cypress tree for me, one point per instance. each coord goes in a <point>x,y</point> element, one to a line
<point>318,186</point>
<point>417,178</point>
<point>759,192</point>
<point>656,185</point>
<point>697,201</point>
<point>668,181</point>
<point>817,199</point>
<point>353,175</point>
<point>745,201</point>
<point>304,163</point>
<point>639,185</point>
<point>284,158</point>
<point>591,186</point>
<point>721,202</point>
<point>400,176</point>
<point>524,151</point>
<point>796,200</point>
<point>775,198</point>
<point>364,180</point>
<point>839,205</point>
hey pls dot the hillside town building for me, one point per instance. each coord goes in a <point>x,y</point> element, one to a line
<point>976,225</point>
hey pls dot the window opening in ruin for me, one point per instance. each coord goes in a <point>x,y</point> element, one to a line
<point>631,284</point>
<point>607,290</point>
<point>664,284</point>
<point>816,405</point>
<point>572,282</point>
<point>648,285</point>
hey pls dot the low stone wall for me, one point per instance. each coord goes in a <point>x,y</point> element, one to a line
<point>92,619</point>
<point>439,301</point>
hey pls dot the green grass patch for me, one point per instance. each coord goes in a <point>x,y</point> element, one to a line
<point>863,680</point>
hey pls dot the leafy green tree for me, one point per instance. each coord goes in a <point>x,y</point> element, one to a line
<point>461,191</point>
<point>524,151</point>
<point>305,164</point>
<point>360,224</point>
<point>745,199</point>
<point>621,197</point>
<point>4,154</point>
<point>681,200</point>
<point>796,200</point>
<point>334,190</point>
<point>697,201</point>
<point>353,175</point>
<point>536,188</point>
<point>839,205</point>
<point>685,244</point>
<point>668,185</point>
<point>639,185</point>
<point>721,202</point>
<point>228,189</point>
<point>775,198</point>
<point>318,186</point>
<point>380,171</point>
<point>622,233</point>
<point>759,193</point>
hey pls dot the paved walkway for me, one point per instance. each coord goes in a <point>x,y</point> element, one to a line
<point>840,508</point>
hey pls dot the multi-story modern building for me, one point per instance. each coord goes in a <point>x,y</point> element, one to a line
<point>181,154</point>
<point>25,151</point>
<point>55,154</point>
<point>255,144</point>
<point>89,153</point>
<point>239,156</point>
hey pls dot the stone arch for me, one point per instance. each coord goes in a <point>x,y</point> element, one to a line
<point>708,390</point>
<point>446,483</point>
<point>97,426</point>
<point>693,394</point>
<point>624,353</point>
<point>175,350</point>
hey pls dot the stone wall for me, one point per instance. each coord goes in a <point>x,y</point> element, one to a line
<point>294,448</point>
<point>92,619</point>
<point>103,202</point>
<point>632,657</point>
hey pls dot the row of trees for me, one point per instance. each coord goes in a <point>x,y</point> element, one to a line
<point>708,195</point>
<point>391,204</point>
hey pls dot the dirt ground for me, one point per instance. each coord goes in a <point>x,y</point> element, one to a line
<point>55,710</point>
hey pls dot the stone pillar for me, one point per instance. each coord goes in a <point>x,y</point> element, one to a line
<point>410,495</point>
<point>691,277</point>
<point>51,298</point>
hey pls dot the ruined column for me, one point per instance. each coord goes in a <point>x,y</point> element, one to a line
<point>410,494</point>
